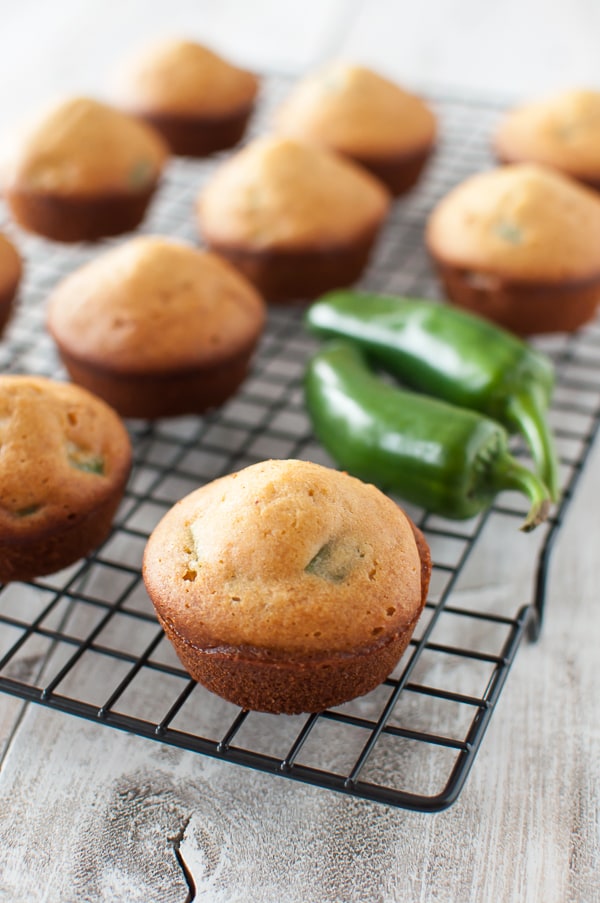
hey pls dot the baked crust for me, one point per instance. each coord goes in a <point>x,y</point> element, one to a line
<point>11,271</point>
<point>198,136</point>
<point>289,688</point>
<point>398,172</point>
<point>282,275</point>
<point>521,246</point>
<point>156,327</point>
<point>72,219</point>
<point>151,396</point>
<point>282,194</point>
<point>83,170</point>
<point>296,219</point>
<point>562,131</point>
<point>184,78</point>
<point>524,308</point>
<point>198,101</point>
<point>250,621</point>
<point>66,458</point>
<point>358,113</point>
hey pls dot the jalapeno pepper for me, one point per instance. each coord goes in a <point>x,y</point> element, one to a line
<point>449,460</point>
<point>454,355</point>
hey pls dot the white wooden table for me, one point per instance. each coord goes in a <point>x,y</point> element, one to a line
<point>87,813</point>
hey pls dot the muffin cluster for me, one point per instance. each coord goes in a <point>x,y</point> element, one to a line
<point>519,244</point>
<point>285,587</point>
<point>299,211</point>
<point>150,328</point>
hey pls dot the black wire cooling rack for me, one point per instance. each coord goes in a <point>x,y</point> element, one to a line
<point>86,641</point>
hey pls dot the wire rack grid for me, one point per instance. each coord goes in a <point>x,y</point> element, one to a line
<point>85,641</point>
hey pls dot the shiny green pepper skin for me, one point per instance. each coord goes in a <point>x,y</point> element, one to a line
<point>453,355</point>
<point>449,460</point>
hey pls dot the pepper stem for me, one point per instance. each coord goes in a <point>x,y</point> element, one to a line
<point>527,413</point>
<point>507,473</point>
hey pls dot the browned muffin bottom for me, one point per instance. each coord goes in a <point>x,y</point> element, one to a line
<point>249,678</point>
<point>11,270</point>
<point>152,396</point>
<point>282,275</point>
<point>6,304</point>
<point>523,307</point>
<point>56,546</point>
<point>192,136</point>
<point>319,578</point>
<point>157,328</point>
<point>72,219</point>
<point>65,461</point>
<point>398,172</point>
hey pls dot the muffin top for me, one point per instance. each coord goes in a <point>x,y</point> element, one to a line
<point>524,221</point>
<point>10,265</point>
<point>152,304</point>
<point>63,451</point>
<point>562,131</point>
<point>285,557</point>
<point>83,147</point>
<point>355,111</point>
<point>185,78</point>
<point>281,193</point>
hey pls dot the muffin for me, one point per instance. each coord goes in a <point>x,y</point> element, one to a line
<point>296,220</point>
<point>11,270</point>
<point>287,587</point>
<point>562,131</point>
<point>520,245</point>
<point>83,171</point>
<point>156,328</point>
<point>64,465</point>
<point>199,102</point>
<point>358,113</point>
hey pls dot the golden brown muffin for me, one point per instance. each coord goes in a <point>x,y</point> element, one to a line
<point>287,587</point>
<point>520,245</point>
<point>156,328</point>
<point>82,171</point>
<point>64,465</point>
<point>296,220</point>
<point>11,270</point>
<point>197,100</point>
<point>358,113</point>
<point>562,131</point>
